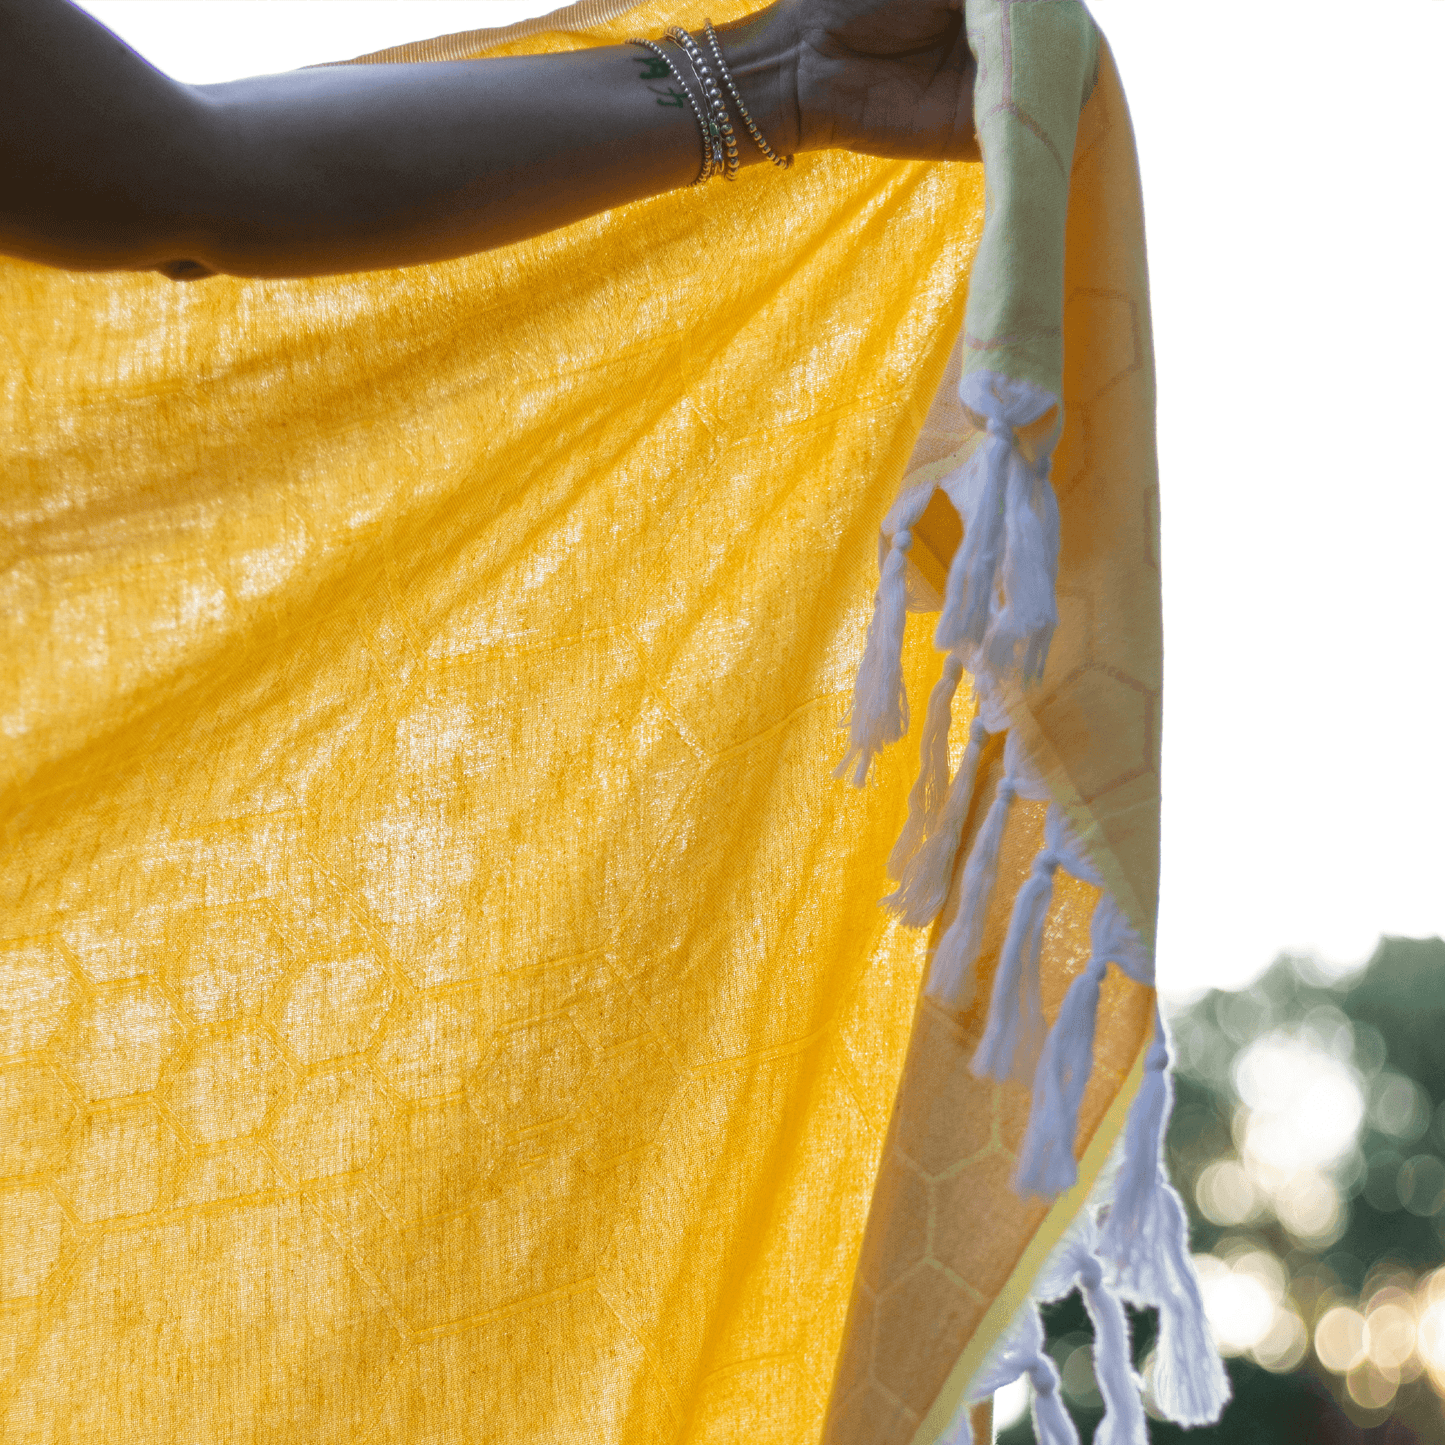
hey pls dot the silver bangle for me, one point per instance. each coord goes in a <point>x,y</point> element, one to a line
<point>747,120</point>
<point>711,150</point>
<point>723,134</point>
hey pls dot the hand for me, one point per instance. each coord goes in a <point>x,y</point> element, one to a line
<point>884,77</point>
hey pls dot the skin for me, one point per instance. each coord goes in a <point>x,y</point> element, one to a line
<point>106,164</point>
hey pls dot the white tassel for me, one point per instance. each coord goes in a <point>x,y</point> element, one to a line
<point>1073,1265</point>
<point>950,977</point>
<point>1046,1156</point>
<point>930,791</point>
<point>1018,640</point>
<point>1021,1352</point>
<point>1052,1425</point>
<point>969,594</point>
<point>1145,1241</point>
<point>923,881</point>
<point>1014,1036</point>
<point>1123,1422</point>
<point>1000,591</point>
<point>950,974</point>
<point>879,714</point>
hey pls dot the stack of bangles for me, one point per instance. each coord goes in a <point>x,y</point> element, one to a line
<point>719,142</point>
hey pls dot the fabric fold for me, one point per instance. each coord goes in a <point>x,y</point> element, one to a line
<point>441,984</point>
<point>1055,613</point>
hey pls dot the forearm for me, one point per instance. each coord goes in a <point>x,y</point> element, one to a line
<point>352,167</point>
<point>363,166</point>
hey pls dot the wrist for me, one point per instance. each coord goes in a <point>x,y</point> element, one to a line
<point>761,51</point>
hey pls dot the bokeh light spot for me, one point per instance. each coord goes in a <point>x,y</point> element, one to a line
<point>1340,1339</point>
<point>1239,1305</point>
<point>1421,1185</point>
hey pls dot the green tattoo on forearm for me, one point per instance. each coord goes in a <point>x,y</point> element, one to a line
<point>654,67</point>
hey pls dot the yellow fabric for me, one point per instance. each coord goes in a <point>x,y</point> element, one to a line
<point>442,993</point>
<point>947,1240</point>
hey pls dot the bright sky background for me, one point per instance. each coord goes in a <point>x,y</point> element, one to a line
<point>1291,159</point>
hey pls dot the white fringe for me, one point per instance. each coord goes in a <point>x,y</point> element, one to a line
<point>1137,1250</point>
<point>950,976</point>
<point>1021,1352</point>
<point>1046,1156</point>
<point>1145,1242</point>
<point>924,878</point>
<point>930,791</point>
<point>879,714</point>
<point>1014,1036</point>
<point>1000,592</point>
<point>997,619</point>
<point>1074,1265</point>
<point>1019,638</point>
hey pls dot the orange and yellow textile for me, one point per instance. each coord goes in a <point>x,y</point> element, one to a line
<point>442,992</point>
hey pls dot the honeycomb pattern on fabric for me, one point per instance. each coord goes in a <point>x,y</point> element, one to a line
<point>441,992</point>
<point>442,995</point>
<point>947,1240</point>
<point>946,1230</point>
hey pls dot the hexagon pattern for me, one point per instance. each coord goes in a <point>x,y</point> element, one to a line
<point>458,1009</point>
<point>443,996</point>
<point>1093,724</point>
<point>35,1110</point>
<point>225,1085</point>
<point>121,1037</point>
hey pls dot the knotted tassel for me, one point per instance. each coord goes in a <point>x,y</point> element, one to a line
<point>931,789</point>
<point>1052,1425</point>
<point>1022,1352</point>
<point>1074,1265</point>
<point>950,979</point>
<point>879,714</point>
<point>1046,1156</point>
<point>1123,1422</point>
<point>978,490</point>
<point>950,974</point>
<point>924,879</point>
<point>1019,636</point>
<point>1014,1035</point>
<point>999,596</point>
<point>1145,1241</point>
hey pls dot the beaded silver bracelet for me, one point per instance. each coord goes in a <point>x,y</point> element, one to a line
<point>712,151</point>
<point>717,107</point>
<point>747,120</point>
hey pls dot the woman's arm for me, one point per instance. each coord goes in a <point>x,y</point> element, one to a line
<point>105,163</point>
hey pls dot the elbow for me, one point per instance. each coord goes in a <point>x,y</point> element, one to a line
<point>143,200</point>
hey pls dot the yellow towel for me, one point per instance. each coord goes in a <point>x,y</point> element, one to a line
<point>442,990</point>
